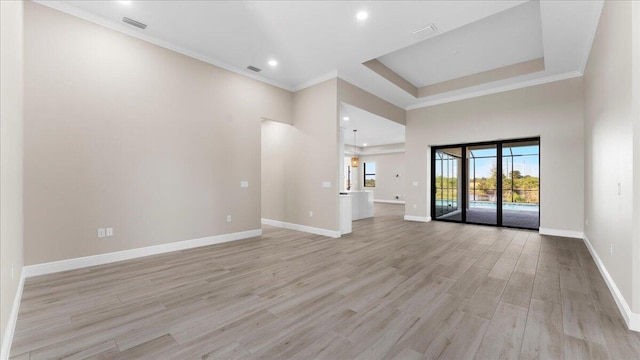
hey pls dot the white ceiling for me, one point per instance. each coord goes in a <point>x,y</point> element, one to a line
<point>315,40</point>
<point>373,130</point>
<point>506,38</point>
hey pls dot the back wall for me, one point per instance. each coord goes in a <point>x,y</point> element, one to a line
<point>388,185</point>
<point>553,111</point>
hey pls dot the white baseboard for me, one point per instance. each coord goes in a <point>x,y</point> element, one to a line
<point>303,228</point>
<point>77,263</point>
<point>562,233</point>
<point>11,322</point>
<point>632,319</point>
<point>417,218</point>
<point>388,201</point>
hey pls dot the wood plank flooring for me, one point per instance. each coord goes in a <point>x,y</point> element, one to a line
<point>390,290</point>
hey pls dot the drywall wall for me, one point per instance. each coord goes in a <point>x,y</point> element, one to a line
<point>121,133</point>
<point>390,176</point>
<point>275,150</point>
<point>11,128</point>
<point>635,71</point>
<point>359,98</point>
<point>552,111</point>
<point>298,159</point>
<point>609,144</point>
<point>312,158</point>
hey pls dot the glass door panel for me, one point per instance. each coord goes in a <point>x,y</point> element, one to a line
<point>521,184</point>
<point>448,187</point>
<point>482,182</point>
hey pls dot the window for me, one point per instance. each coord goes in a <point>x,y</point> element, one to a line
<point>369,174</point>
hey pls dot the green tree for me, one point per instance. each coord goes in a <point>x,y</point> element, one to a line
<point>516,174</point>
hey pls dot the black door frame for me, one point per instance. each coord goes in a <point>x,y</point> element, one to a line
<point>465,184</point>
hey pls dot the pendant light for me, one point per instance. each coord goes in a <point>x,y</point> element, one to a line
<point>355,161</point>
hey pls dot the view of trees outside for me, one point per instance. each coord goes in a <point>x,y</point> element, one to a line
<point>516,187</point>
<point>446,178</point>
<point>483,174</point>
<point>370,174</point>
<point>446,188</point>
<point>520,176</point>
<point>526,188</point>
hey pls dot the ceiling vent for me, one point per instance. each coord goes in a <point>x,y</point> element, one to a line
<point>253,68</point>
<point>425,31</point>
<point>134,23</point>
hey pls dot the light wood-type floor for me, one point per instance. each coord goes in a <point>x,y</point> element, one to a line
<point>392,290</point>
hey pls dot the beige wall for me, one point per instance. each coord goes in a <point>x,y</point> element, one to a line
<point>609,145</point>
<point>635,306</point>
<point>122,133</point>
<point>552,111</point>
<point>312,158</point>
<point>275,154</point>
<point>11,129</point>
<point>298,158</point>
<point>387,184</point>
<point>359,98</point>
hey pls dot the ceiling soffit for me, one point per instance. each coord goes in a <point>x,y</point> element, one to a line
<point>502,46</point>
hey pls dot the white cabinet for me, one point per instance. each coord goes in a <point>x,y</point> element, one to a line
<point>361,204</point>
<point>345,214</point>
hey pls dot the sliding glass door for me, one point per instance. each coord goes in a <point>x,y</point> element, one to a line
<point>521,184</point>
<point>493,183</point>
<point>448,188</point>
<point>482,182</point>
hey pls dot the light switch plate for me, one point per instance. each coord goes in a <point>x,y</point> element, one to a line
<point>101,233</point>
<point>244,183</point>
<point>326,184</point>
<point>415,183</point>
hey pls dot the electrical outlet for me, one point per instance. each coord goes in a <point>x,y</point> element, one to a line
<point>610,249</point>
<point>101,233</point>
<point>109,232</point>
<point>244,183</point>
<point>228,218</point>
<point>326,184</point>
<point>311,213</point>
<point>415,183</point>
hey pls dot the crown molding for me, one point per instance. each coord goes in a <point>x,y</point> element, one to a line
<point>498,89</point>
<point>315,81</point>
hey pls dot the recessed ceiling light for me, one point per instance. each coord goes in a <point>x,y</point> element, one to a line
<point>365,144</point>
<point>125,2</point>
<point>362,15</point>
<point>273,62</point>
<point>346,118</point>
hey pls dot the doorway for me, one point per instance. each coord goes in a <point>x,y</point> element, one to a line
<point>491,183</point>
